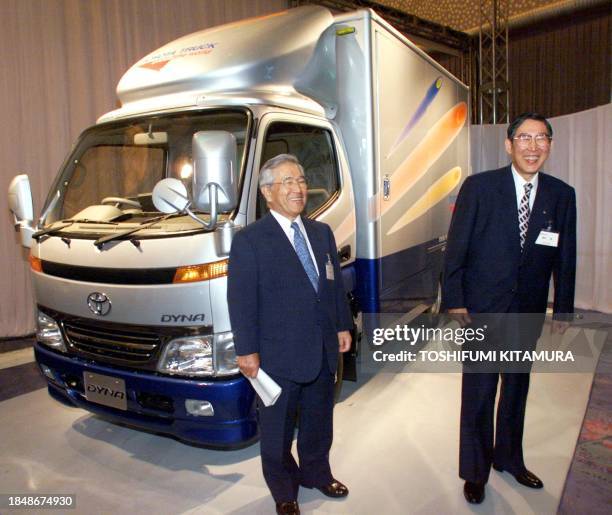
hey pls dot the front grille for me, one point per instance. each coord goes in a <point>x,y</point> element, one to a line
<point>112,344</point>
<point>109,275</point>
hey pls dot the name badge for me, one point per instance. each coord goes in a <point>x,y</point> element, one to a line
<point>548,238</point>
<point>329,269</point>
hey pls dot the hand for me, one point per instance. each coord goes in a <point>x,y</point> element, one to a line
<point>249,364</point>
<point>461,315</point>
<point>344,341</point>
<point>559,326</point>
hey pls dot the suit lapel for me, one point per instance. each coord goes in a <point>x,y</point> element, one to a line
<point>315,237</point>
<point>279,241</point>
<point>507,199</point>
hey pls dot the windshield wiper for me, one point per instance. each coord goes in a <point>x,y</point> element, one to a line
<point>67,223</point>
<point>144,225</point>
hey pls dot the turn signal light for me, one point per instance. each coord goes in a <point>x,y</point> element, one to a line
<point>35,263</point>
<point>205,272</point>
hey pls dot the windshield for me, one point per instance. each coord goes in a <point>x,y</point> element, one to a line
<point>118,164</point>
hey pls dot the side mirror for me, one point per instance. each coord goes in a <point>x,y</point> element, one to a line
<point>215,178</point>
<point>21,205</point>
<point>170,196</point>
<point>20,198</point>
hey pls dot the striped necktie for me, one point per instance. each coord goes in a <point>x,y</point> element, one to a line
<point>523,213</point>
<point>301,248</point>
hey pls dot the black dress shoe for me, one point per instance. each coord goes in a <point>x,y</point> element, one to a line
<point>333,489</point>
<point>288,508</point>
<point>525,478</point>
<point>474,492</point>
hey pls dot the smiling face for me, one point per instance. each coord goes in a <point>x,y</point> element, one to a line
<point>288,200</point>
<point>528,158</point>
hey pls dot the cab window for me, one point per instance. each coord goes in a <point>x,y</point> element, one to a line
<point>314,148</point>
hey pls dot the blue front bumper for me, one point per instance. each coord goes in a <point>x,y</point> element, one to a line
<point>157,403</point>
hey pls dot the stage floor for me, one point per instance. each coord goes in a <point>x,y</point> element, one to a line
<point>395,447</point>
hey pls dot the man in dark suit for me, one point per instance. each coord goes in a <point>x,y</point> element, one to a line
<point>289,314</point>
<point>511,230</point>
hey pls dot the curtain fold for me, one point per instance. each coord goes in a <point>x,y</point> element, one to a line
<point>561,65</point>
<point>61,61</point>
<point>556,66</point>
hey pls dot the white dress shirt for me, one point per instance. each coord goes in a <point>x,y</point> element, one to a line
<point>519,185</point>
<point>285,224</point>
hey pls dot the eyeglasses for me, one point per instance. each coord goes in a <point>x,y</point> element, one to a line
<point>524,140</point>
<point>289,182</point>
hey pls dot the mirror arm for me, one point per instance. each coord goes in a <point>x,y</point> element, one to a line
<point>16,222</point>
<point>213,192</point>
<point>213,209</point>
<point>25,230</point>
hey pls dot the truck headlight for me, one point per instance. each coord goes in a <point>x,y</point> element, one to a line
<point>200,356</point>
<point>226,362</point>
<point>48,332</point>
<point>190,356</point>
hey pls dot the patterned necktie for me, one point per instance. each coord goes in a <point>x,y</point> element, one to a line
<point>301,248</point>
<point>523,213</point>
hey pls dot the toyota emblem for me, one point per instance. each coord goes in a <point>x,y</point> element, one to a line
<point>99,303</point>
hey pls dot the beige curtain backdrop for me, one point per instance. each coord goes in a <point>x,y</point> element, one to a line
<point>61,61</point>
<point>581,156</point>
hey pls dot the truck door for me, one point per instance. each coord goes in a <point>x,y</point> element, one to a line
<point>330,195</point>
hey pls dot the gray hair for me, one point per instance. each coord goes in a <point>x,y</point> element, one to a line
<point>266,174</point>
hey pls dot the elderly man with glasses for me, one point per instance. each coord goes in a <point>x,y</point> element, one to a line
<point>289,314</point>
<point>511,230</point>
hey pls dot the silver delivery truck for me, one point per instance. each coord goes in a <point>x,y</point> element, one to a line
<point>129,255</point>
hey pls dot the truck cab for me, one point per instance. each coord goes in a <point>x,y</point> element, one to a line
<point>139,323</point>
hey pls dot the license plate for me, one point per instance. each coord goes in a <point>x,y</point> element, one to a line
<point>105,390</point>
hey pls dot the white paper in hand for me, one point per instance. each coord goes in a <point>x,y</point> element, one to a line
<point>267,389</point>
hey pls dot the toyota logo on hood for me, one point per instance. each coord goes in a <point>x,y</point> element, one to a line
<point>99,303</point>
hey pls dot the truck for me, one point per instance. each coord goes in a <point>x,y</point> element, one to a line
<point>129,255</point>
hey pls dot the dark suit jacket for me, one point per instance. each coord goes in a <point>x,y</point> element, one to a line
<point>485,270</point>
<point>273,307</point>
